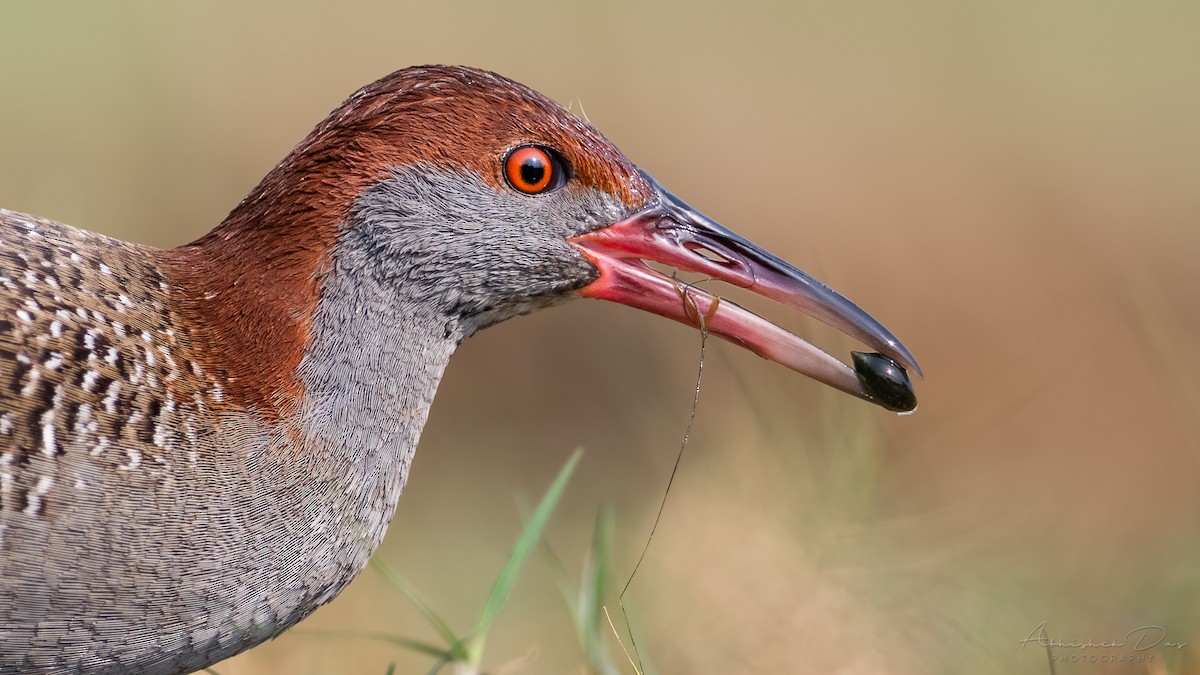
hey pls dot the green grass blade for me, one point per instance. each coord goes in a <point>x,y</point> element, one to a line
<point>455,643</point>
<point>558,571</point>
<point>414,645</point>
<point>441,663</point>
<point>589,608</point>
<point>530,535</point>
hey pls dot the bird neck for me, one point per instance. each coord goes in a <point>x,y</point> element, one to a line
<point>372,366</point>
<point>322,459</point>
<point>369,376</point>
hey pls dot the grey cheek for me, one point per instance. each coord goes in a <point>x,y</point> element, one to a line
<point>450,240</point>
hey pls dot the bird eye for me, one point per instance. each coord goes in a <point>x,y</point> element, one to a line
<point>533,169</point>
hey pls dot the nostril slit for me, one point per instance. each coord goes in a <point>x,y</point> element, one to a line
<point>709,254</point>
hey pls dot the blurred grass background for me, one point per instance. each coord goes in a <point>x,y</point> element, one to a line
<point>1012,187</point>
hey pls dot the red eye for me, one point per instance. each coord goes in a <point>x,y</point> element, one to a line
<point>533,170</point>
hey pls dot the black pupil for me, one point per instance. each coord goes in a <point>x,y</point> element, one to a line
<point>533,170</point>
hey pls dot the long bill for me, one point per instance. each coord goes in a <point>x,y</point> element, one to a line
<point>670,232</point>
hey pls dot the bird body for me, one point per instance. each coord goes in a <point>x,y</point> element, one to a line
<point>147,523</point>
<point>200,446</point>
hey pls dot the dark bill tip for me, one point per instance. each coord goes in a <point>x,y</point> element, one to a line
<point>885,381</point>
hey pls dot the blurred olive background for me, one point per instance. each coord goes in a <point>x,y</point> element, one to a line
<point>1012,187</point>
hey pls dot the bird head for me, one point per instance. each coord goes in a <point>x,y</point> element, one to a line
<point>477,199</point>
